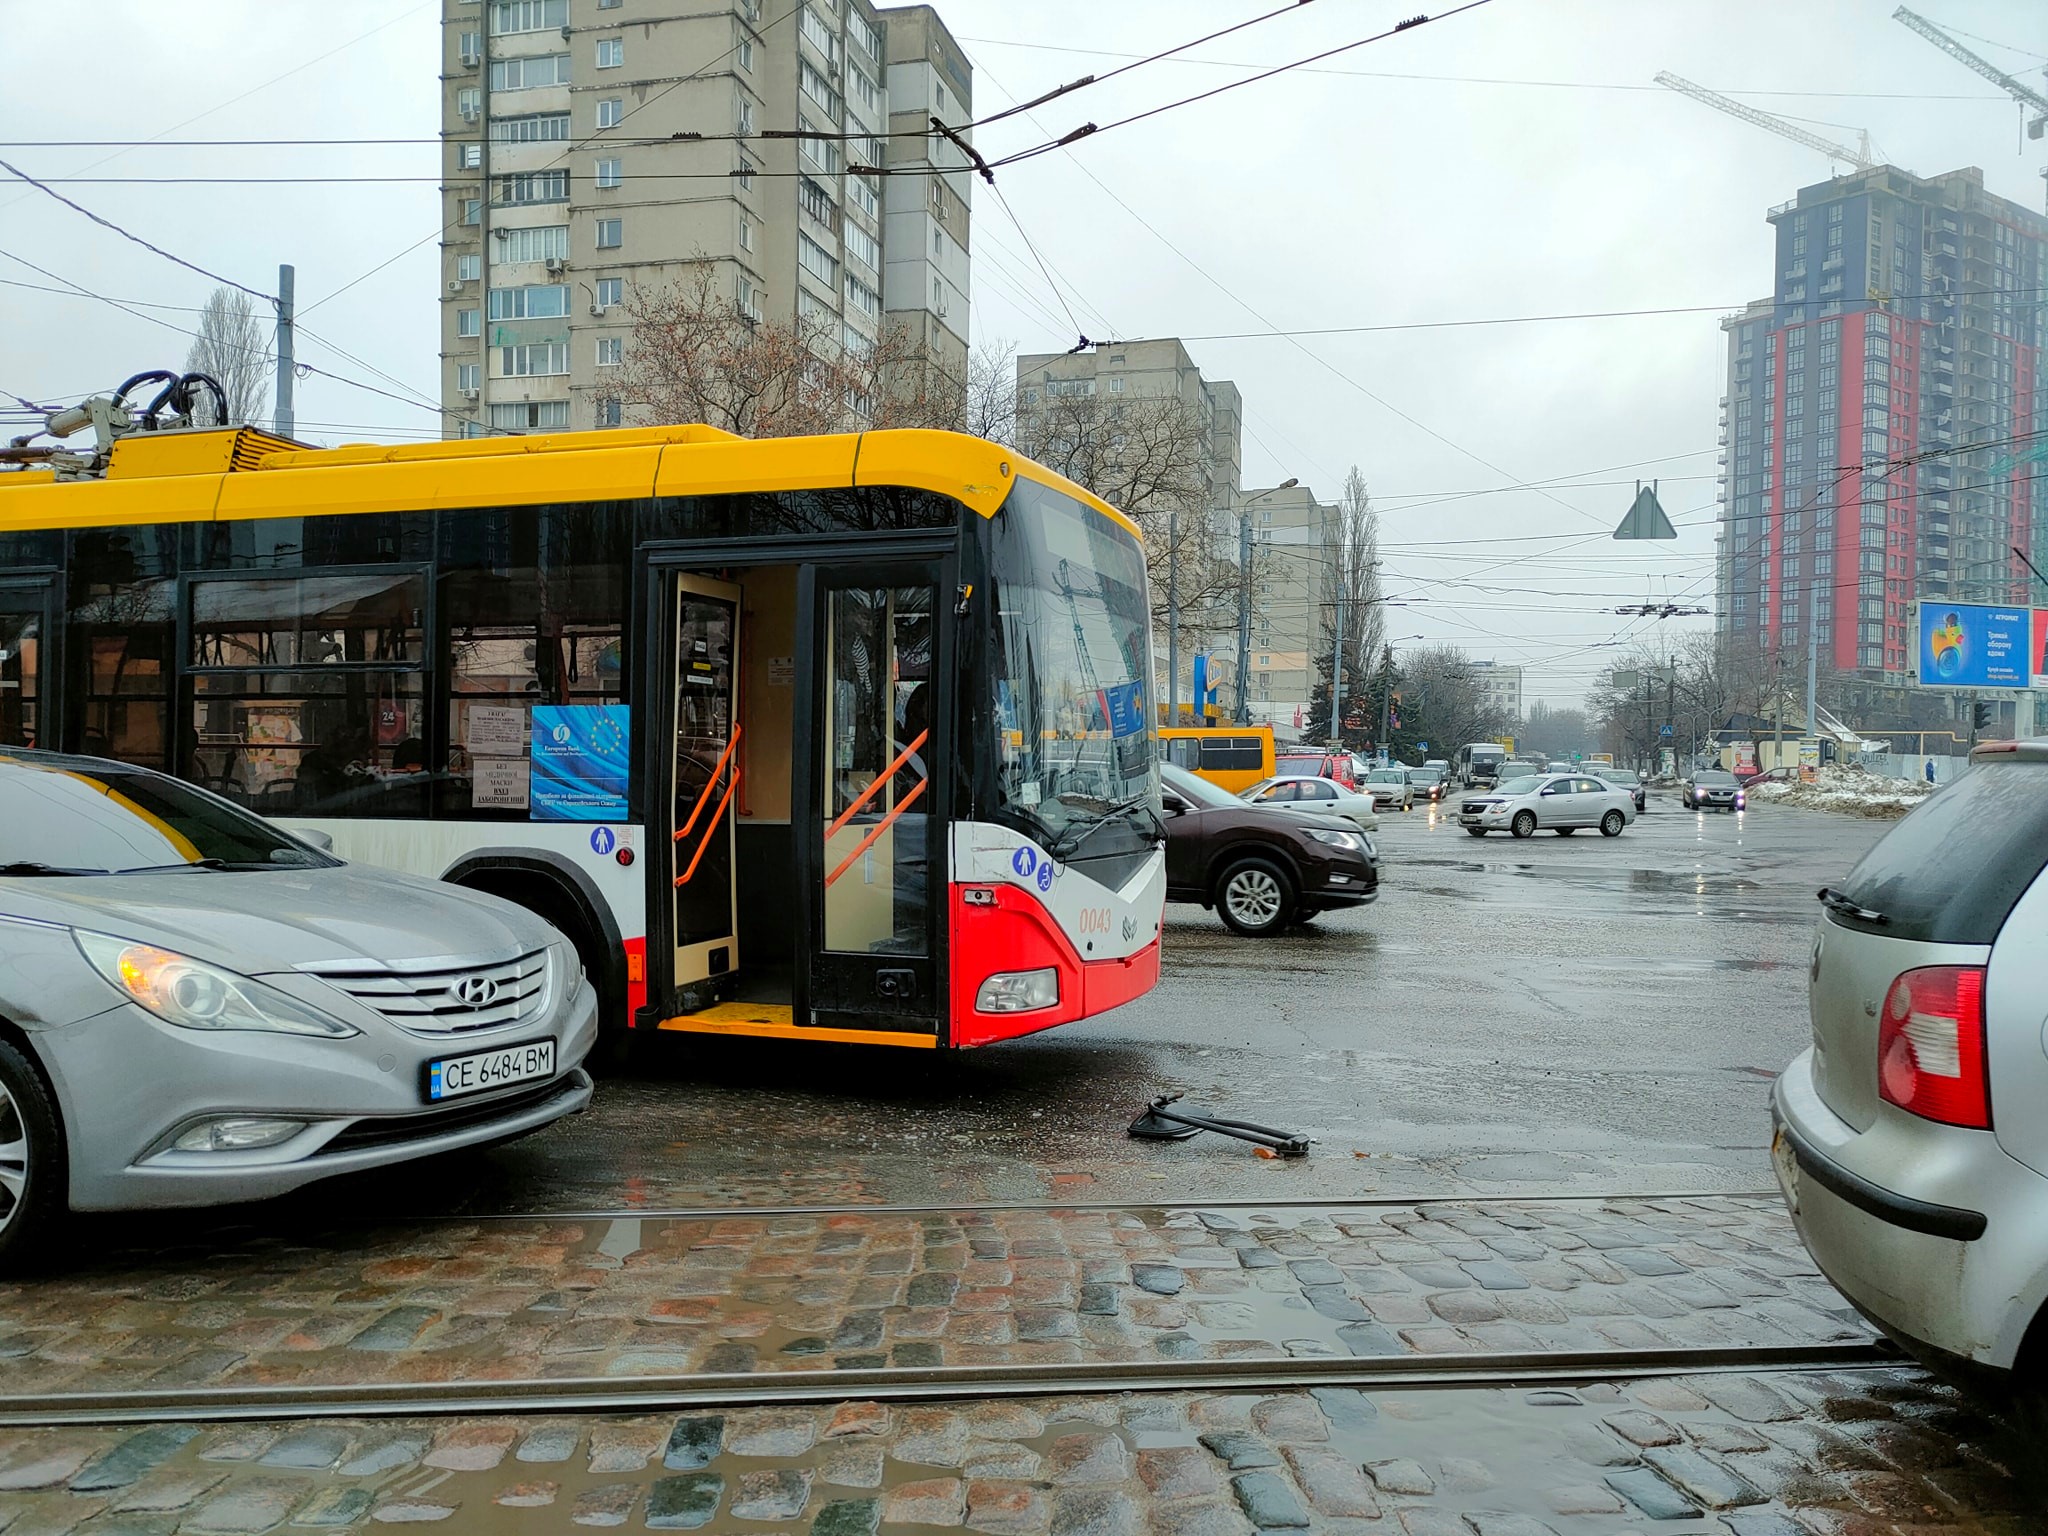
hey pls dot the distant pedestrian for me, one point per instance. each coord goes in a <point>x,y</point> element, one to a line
<point>1930,770</point>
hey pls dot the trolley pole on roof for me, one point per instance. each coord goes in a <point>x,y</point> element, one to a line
<point>283,422</point>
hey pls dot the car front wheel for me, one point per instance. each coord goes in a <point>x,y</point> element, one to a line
<point>1253,898</point>
<point>32,1181</point>
<point>1612,823</point>
<point>1524,824</point>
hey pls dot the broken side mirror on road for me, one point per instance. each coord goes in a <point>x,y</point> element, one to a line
<point>1160,1122</point>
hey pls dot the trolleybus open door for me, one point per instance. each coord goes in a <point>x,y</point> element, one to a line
<point>706,772</point>
<point>871,797</point>
<point>25,632</point>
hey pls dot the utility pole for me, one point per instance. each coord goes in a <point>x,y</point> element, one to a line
<point>1670,713</point>
<point>1386,747</point>
<point>1813,661</point>
<point>1778,679</point>
<point>1244,610</point>
<point>283,421</point>
<point>1173,618</point>
<point>1337,670</point>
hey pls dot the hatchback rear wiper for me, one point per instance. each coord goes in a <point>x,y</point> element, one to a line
<point>24,869</point>
<point>1835,901</point>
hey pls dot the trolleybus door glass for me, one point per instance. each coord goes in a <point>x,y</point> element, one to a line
<point>709,762</point>
<point>876,803</point>
<point>24,625</point>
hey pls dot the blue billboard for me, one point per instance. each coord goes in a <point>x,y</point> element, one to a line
<point>1974,645</point>
<point>580,762</point>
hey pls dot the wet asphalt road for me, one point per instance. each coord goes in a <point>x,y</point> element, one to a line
<point>1562,1014</point>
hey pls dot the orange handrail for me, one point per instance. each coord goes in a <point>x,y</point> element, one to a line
<point>710,829</point>
<point>876,783</point>
<point>703,799</point>
<point>882,826</point>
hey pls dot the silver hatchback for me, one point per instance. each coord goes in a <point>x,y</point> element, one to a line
<point>198,1008</point>
<point>1912,1137</point>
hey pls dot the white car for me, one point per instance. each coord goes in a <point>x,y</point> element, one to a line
<point>1551,802</point>
<point>1308,796</point>
<point>1388,787</point>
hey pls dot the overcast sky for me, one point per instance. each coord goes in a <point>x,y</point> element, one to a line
<point>1514,160</point>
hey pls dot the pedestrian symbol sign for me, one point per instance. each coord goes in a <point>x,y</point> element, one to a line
<point>1663,730</point>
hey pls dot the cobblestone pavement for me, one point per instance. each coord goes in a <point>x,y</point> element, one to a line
<point>495,1301</point>
<point>1785,1455</point>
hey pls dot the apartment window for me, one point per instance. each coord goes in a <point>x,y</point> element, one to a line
<point>549,301</point>
<point>868,150</point>
<point>611,234</point>
<point>468,322</point>
<point>817,202</point>
<point>529,74</point>
<point>530,128</point>
<point>863,247</point>
<point>745,174</point>
<point>811,314</point>
<point>472,210</point>
<point>470,45</point>
<point>747,298</point>
<point>530,187</point>
<point>1116,386</point>
<point>745,116</point>
<point>747,54</point>
<point>469,268</point>
<point>821,152</point>
<point>864,33</point>
<point>862,191</point>
<point>469,103</point>
<point>466,375</point>
<point>938,198</point>
<point>746,233</point>
<point>509,17</point>
<point>867,92</point>
<point>816,260</point>
<point>862,297</point>
<point>819,89</point>
<point>611,111</point>
<point>537,359</point>
<point>530,415</point>
<point>542,242</point>
<point>819,33</point>
<point>610,351</point>
<point>610,291</point>
<point>607,5</point>
<point>938,242</point>
<point>611,52</point>
<point>609,413</point>
<point>609,173</point>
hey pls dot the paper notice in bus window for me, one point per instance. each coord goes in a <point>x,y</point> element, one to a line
<point>495,730</point>
<point>781,671</point>
<point>498,783</point>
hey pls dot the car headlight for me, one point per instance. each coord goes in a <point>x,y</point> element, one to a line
<point>194,995</point>
<point>1352,840</point>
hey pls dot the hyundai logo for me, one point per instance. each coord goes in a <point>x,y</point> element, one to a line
<point>476,991</point>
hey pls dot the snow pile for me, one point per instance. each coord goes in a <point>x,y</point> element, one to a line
<point>1845,788</point>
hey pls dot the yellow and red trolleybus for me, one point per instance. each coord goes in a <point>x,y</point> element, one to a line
<point>839,738</point>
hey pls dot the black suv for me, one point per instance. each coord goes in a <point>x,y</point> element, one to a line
<point>1260,869</point>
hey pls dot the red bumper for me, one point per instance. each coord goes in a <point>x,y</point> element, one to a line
<point>1017,934</point>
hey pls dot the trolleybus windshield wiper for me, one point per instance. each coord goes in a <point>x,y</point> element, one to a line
<point>1077,834</point>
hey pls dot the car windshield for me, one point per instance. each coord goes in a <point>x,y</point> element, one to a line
<point>1714,779</point>
<point>1195,789</point>
<point>1072,716</point>
<point>1525,784</point>
<point>1616,775</point>
<point>76,815</point>
<point>1386,776</point>
<point>1424,775</point>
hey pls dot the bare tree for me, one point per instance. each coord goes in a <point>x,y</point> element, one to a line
<point>693,355</point>
<point>1357,577</point>
<point>233,346</point>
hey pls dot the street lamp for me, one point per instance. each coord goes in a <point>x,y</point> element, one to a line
<point>1244,590</point>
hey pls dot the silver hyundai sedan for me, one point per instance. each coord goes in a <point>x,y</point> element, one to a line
<point>197,1008</point>
<point>1912,1137</point>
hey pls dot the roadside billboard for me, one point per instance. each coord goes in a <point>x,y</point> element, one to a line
<point>1976,645</point>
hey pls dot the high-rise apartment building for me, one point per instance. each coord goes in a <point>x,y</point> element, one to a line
<point>1293,539</point>
<point>1499,686</point>
<point>1873,420</point>
<point>594,146</point>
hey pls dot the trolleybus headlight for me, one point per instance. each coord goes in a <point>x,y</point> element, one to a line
<point>1018,991</point>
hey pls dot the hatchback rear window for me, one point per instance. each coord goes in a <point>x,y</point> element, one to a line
<point>1952,871</point>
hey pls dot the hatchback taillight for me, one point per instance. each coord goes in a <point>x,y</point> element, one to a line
<point>1930,1046</point>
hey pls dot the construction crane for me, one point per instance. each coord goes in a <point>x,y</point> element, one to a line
<point>1858,157</point>
<point>2018,90</point>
